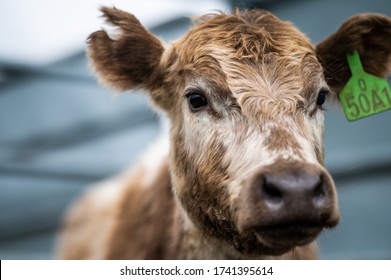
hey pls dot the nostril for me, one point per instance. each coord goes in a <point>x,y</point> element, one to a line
<point>320,195</point>
<point>319,190</point>
<point>271,192</point>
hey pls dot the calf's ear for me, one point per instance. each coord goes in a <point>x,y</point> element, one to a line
<point>369,35</point>
<point>130,59</point>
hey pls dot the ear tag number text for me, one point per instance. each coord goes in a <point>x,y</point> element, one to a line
<point>364,94</point>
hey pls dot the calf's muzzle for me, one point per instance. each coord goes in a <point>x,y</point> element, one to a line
<point>287,204</point>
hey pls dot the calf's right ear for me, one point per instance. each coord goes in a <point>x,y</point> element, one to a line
<point>369,35</point>
<point>129,60</point>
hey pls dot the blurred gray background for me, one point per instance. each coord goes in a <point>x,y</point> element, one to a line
<point>60,131</point>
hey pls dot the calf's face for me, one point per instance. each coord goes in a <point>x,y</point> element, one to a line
<point>247,137</point>
<point>244,94</point>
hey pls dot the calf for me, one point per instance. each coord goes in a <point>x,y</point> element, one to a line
<point>242,174</point>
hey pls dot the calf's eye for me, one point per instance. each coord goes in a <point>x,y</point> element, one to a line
<point>196,101</point>
<point>321,97</point>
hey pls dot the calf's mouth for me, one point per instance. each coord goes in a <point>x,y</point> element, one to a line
<point>287,235</point>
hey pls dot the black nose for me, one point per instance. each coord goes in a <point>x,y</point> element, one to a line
<point>295,193</point>
<point>285,194</point>
<point>287,204</point>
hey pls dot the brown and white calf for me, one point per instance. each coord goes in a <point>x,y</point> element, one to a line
<point>242,174</point>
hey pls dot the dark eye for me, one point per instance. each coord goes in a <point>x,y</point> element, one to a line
<point>196,101</point>
<point>321,97</point>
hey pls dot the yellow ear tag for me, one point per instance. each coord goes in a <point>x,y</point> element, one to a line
<point>364,94</point>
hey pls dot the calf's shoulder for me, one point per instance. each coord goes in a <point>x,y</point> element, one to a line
<point>126,217</point>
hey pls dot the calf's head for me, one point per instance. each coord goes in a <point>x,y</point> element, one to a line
<point>244,94</point>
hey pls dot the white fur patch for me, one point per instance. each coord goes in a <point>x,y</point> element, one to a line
<point>107,192</point>
<point>147,169</point>
<point>153,160</point>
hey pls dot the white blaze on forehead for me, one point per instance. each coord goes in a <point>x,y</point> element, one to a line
<point>245,154</point>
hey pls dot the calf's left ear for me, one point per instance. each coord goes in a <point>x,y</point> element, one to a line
<point>369,35</point>
<point>129,59</point>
